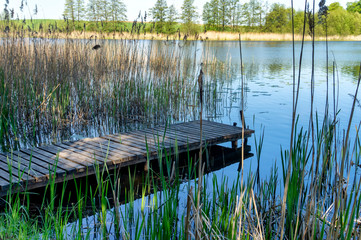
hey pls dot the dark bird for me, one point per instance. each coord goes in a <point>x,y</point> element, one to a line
<point>96,47</point>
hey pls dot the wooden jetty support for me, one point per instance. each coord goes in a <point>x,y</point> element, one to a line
<point>32,168</point>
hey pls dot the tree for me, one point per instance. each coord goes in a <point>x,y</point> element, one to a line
<point>342,22</point>
<point>354,6</point>
<point>206,15</point>
<point>159,14</point>
<point>189,16</point>
<point>234,13</point>
<point>277,19</point>
<point>79,9</point>
<point>223,12</point>
<point>253,13</point>
<point>118,10</point>
<point>172,17</point>
<point>210,14</point>
<point>69,10</point>
<point>189,13</point>
<point>335,6</point>
<point>104,10</point>
<point>93,10</point>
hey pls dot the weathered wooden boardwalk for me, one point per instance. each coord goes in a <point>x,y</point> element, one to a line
<point>33,167</point>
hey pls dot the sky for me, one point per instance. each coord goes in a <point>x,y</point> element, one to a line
<point>53,9</point>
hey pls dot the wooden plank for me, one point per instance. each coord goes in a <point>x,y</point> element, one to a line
<point>84,153</point>
<point>126,142</point>
<point>115,147</point>
<point>45,162</point>
<point>69,166</point>
<point>227,128</point>
<point>105,156</point>
<point>168,136</point>
<point>212,135</point>
<point>18,172</point>
<point>183,139</point>
<point>152,144</point>
<point>4,180</point>
<point>33,171</point>
<point>40,165</point>
<point>152,140</point>
<point>132,141</point>
<point>206,135</point>
<point>104,152</point>
<point>4,175</point>
<point>111,147</point>
<point>72,156</point>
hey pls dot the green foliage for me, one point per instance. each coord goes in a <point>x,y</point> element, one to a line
<point>342,22</point>
<point>278,18</point>
<point>253,12</point>
<point>159,14</point>
<point>220,15</point>
<point>189,16</point>
<point>172,17</point>
<point>79,8</point>
<point>189,13</point>
<point>69,10</point>
<point>354,6</point>
<point>335,6</point>
<point>105,11</point>
<point>118,11</point>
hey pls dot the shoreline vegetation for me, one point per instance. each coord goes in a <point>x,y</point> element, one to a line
<point>205,36</point>
<point>38,30</point>
<point>219,21</point>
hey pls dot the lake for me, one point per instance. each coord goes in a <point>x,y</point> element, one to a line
<point>71,91</point>
<point>268,97</point>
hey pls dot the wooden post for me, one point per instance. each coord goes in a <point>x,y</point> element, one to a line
<point>235,143</point>
<point>146,166</point>
<point>244,124</point>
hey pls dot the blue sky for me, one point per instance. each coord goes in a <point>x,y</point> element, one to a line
<point>53,9</point>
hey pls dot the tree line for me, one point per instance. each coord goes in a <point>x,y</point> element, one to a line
<point>217,15</point>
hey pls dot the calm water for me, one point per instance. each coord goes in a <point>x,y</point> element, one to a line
<point>268,100</point>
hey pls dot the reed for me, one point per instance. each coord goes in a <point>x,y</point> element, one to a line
<point>52,90</point>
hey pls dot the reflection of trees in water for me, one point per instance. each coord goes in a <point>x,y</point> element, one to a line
<point>351,69</point>
<point>252,70</point>
<point>275,67</point>
<point>223,90</point>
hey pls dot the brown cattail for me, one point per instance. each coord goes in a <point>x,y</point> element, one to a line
<point>96,47</point>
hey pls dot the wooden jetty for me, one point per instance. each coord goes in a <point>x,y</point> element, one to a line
<point>33,167</point>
